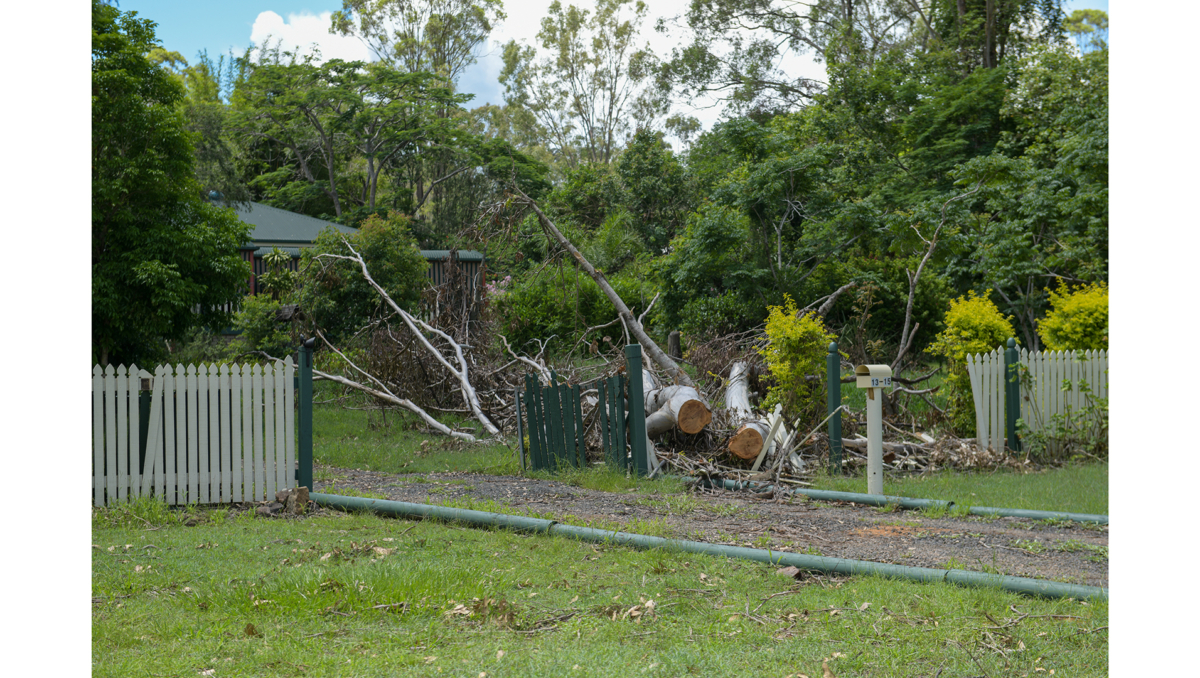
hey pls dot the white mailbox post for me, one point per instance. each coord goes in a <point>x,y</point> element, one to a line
<point>873,378</point>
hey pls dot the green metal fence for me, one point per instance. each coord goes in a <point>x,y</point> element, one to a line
<point>552,429</point>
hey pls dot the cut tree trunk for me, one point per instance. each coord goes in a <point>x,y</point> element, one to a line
<point>747,441</point>
<point>673,407</point>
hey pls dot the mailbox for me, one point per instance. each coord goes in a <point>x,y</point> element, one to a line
<point>873,376</point>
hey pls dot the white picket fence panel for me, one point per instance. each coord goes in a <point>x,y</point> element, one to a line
<point>216,433</point>
<point>1042,397</point>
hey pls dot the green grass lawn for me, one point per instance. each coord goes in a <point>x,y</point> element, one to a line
<point>374,441</point>
<point>356,594</point>
<point>1077,488</point>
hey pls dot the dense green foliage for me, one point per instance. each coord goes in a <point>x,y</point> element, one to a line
<point>796,348</point>
<point>1078,319</point>
<point>333,292</point>
<point>974,326</point>
<point>159,250</point>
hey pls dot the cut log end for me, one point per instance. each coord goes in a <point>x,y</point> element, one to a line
<point>746,442</point>
<point>693,417</point>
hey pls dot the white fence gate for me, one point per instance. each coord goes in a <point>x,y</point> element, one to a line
<point>215,434</point>
<point>1042,397</point>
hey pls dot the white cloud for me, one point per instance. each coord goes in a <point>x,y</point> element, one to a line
<point>302,31</point>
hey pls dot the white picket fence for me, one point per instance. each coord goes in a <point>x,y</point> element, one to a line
<point>1042,397</point>
<point>216,434</point>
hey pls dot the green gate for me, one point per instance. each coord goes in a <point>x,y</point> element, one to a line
<point>556,429</point>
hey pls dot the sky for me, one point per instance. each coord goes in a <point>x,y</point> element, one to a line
<point>221,25</point>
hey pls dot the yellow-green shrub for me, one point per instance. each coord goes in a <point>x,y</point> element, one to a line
<point>796,348</point>
<point>1078,320</point>
<point>973,325</point>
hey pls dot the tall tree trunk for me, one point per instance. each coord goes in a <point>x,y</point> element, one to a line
<point>655,353</point>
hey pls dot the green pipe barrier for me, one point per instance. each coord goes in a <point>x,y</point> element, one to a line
<point>907,502</point>
<point>1036,587</point>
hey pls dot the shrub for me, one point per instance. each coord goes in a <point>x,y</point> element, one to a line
<point>1078,319</point>
<point>548,306</point>
<point>973,325</point>
<point>260,329</point>
<point>796,349</point>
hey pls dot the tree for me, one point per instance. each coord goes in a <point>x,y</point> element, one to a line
<point>323,117</point>
<point>430,36</point>
<point>164,260</point>
<point>335,296</point>
<point>589,82</point>
<point>1089,27</point>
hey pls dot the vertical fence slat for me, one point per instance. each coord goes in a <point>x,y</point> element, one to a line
<point>193,430</point>
<point>215,468</point>
<point>173,441</point>
<point>121,392</point>
<point>553,432</point>
<point>283,479</point>
<point>256,406</point>
<point>110,434</point>
<point>252,492</point>
<point>289,421</point>
<point>226,451</point>
<point>999,423</point>
<point>568,419</point>
<point>202,430</point>
<point>152,469</point>
<point>619,403</point>
<point>976,377</point>
<point>134,387</point>
<point>602,415</point>
<point>238,459</point>
<point>98,436</point>
<point>267,408</point>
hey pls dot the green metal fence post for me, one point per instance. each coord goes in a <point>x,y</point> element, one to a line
<point>1012,394</point>
<point>637,408</point>
<point>833,384</point>
<point>304,474</point>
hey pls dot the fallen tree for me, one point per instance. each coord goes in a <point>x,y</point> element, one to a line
<point>674,406</point>
<point>747,440</point>
<point>419,328</point>
<point>652,349</point>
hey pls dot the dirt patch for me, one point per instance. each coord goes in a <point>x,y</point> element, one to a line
<point>1067,552</point>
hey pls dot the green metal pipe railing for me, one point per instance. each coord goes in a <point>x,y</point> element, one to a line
<point>1035,587</point>
<point>907,502</point>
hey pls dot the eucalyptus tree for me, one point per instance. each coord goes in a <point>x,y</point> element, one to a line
<point>423,36</point>
<point>589,85</point>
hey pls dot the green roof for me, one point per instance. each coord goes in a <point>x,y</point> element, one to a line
<point>441,255</point>
<point>275,226</point>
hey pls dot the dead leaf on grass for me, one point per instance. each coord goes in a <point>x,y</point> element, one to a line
<point>825,669</point>
<point>789,571</point>
<point>251,631</point>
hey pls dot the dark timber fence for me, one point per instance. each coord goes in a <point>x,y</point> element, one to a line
<point>552,430</point>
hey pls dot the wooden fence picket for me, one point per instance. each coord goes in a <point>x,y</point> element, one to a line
<point>202,433</point>
<point>1043,395</point>
<point>98,435</point>
<point>289,422</point>
<point>214,433</point>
